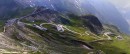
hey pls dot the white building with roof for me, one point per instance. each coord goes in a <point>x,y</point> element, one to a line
<point>60,28</point>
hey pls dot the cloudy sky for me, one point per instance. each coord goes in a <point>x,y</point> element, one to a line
<point>124,7</point>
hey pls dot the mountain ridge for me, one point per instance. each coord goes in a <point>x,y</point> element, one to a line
<point>46,31</point>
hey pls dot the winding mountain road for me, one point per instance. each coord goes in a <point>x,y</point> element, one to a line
<point>108,37</point>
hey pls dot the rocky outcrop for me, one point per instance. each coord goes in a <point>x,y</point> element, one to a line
<point>93,24</point>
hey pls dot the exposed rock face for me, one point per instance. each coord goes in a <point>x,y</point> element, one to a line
<point>17,31</point>
<point>93,24</point>
<point>8,45</point>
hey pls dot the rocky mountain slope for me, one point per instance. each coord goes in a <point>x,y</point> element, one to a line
<point>46,31</point>
<point>11,9</point>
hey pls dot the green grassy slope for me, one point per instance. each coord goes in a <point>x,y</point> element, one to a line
<point>70,41</point>
<point>60,41</point>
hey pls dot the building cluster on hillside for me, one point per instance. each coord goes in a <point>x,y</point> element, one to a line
<point>39,27</point>
<point>119,37</point>
<point>109,34</point>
